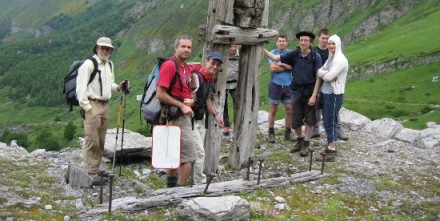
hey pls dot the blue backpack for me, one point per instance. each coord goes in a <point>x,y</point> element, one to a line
<point>150,105</point>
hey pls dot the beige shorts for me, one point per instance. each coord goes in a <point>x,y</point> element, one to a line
<point>188,146</point>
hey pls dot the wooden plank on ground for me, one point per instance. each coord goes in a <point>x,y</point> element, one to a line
<point>176,195</point>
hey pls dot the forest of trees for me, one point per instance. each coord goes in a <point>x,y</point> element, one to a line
<point>34,70</point>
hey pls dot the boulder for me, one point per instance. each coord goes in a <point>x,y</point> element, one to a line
<point>135,144</point>
<point>352,120</point>
<point>215,208</point>
<point>382,129</point>
<point>430,137</point>
<point>409,135</point>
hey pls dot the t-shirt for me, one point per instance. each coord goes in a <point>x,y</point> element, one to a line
<point>181,89</point>
<point>323,53</point>
<point>283,78</point>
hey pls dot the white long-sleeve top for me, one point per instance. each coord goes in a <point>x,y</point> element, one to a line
<point>93,90</point>
<point>335,68</point>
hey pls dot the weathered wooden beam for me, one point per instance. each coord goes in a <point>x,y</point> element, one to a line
<point>246,115</point>
<point>224,34</point>
<point>174,196</point>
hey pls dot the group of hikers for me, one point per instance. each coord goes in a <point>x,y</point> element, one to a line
<point>299,79</point>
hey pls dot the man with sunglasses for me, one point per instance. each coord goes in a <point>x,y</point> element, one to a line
<point>179,96</point>
<point>93,99</point>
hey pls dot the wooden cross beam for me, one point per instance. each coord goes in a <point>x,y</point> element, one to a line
<point>225,34</point>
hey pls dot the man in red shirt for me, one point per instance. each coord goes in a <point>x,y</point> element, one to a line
<point>179,96</point>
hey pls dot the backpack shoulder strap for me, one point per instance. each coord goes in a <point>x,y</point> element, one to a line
<point>176,75</point>
<point>95,69</point>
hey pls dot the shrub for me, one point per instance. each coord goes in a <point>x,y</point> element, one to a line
<point>21,138</point>
<point>69,131</point>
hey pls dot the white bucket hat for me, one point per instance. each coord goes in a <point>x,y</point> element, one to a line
<point>104,42</point>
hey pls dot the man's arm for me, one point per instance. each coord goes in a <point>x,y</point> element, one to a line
<point>271,55</point>
<point>164,97</point>
<point>279,67</point>
<point>212,112</point>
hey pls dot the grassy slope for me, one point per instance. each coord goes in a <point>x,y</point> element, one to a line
<point>407,38</point>
<point>417,27</point>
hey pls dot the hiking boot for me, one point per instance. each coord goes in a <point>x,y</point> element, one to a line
<point>98,182</point>
<point>343,136</point>
<point>305,149</point>
<point>316,135</point>
<point>329,157</point>
<point>271,138</point>
<point>298,145</point>
<point>288,136</point>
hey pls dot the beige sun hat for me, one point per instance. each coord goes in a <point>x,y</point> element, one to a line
<point>104,42</point>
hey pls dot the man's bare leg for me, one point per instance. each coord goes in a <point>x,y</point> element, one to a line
<point>184,173</point>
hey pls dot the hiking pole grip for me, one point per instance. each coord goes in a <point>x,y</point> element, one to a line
<point>125,87</point>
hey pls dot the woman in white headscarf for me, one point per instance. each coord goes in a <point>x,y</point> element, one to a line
<point>334,75</point>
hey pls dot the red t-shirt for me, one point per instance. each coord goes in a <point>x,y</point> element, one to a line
<point>180,89</point>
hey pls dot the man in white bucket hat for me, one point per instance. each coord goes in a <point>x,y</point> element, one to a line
<point>93,99</point>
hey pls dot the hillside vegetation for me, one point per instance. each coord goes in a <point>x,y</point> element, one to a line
<point>39,41</point>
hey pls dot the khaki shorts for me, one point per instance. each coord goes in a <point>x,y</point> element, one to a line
<point>188,146</point>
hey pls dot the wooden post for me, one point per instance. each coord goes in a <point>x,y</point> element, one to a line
<point>240,22</point>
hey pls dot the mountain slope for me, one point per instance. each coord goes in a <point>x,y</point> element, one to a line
<point>32,68</point>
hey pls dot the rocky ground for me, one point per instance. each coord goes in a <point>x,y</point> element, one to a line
<point>370,180</point>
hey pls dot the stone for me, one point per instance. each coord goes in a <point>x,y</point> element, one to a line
<point>382,129</point>
<point>409,135</point>
<point>48,207</point>
<point>352,120</point>
<point>209,208</point>
<point>135,144</point>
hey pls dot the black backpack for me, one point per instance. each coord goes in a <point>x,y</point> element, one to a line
<point>205,90</point>
<point>70,81</point>
<point>151,106</point>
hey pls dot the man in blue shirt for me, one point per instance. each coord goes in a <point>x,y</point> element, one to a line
<point>305,63</point>
<point>279,90</point>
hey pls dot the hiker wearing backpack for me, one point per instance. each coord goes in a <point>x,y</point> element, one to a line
<point>204,108</point>
<point>93,99</point>
<point>179,96</point>
<point>305,62</point>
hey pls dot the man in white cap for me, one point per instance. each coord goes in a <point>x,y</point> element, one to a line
<point>93,96</point>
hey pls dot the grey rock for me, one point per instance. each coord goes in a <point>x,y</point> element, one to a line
<point>352,120</point>
<point>209,208</point>
<point>409,135</point>
<point>135,144</point>
<point>382,129</point>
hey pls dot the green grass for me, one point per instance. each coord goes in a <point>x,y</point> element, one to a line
<point>404,39</point>
<point>407,95</point>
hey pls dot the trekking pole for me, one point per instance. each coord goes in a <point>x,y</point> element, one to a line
<point>117,131</point>
<point>125,90</point>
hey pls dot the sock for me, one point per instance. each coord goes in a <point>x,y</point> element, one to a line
<point>271,130</point>
<point>171,181</point>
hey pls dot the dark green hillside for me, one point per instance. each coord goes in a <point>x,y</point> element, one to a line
<point>32,66</point>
